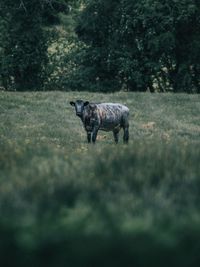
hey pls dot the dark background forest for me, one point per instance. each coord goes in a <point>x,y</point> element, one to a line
<point>100,45</point>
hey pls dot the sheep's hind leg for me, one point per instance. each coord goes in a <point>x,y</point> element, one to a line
<point>126,134</point>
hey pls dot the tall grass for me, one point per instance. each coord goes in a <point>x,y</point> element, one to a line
<point>66,203</point>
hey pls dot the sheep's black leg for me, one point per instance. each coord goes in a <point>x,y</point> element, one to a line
<point>116,136</point>
<point>126,135</point>
<point>94,134</point>
<point>89,137</point>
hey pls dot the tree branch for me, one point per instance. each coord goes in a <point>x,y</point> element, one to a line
<point>22,6</point>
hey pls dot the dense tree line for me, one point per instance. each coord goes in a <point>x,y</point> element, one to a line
<point>24,40</point>
<point>135,45</point>
<point>142,44</point>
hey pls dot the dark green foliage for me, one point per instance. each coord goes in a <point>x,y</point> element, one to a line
<point>140,45</point>
<point>24,52</point>
<point>24,41</point>
<point>109,45</point>
<point>51,9</point>
<point>98,62</point>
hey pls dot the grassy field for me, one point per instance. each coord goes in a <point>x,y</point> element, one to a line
<point>66,203</point>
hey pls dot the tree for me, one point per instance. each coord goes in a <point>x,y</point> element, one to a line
<point>95,28</point>
<point>24,41</point>
<point>142,44</point>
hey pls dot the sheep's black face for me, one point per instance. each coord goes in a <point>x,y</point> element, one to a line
<point>79,106</point>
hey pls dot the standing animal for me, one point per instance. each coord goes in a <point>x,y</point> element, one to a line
<point>103,116</point>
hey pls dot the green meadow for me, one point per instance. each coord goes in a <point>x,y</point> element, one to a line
<point>64,202</point>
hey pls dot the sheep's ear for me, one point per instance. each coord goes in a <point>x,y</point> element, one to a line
<point>86,103</point>
<point>72,103</point>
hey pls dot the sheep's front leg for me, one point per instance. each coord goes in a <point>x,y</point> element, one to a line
<point>89,137</point>
<point>94,134</point>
